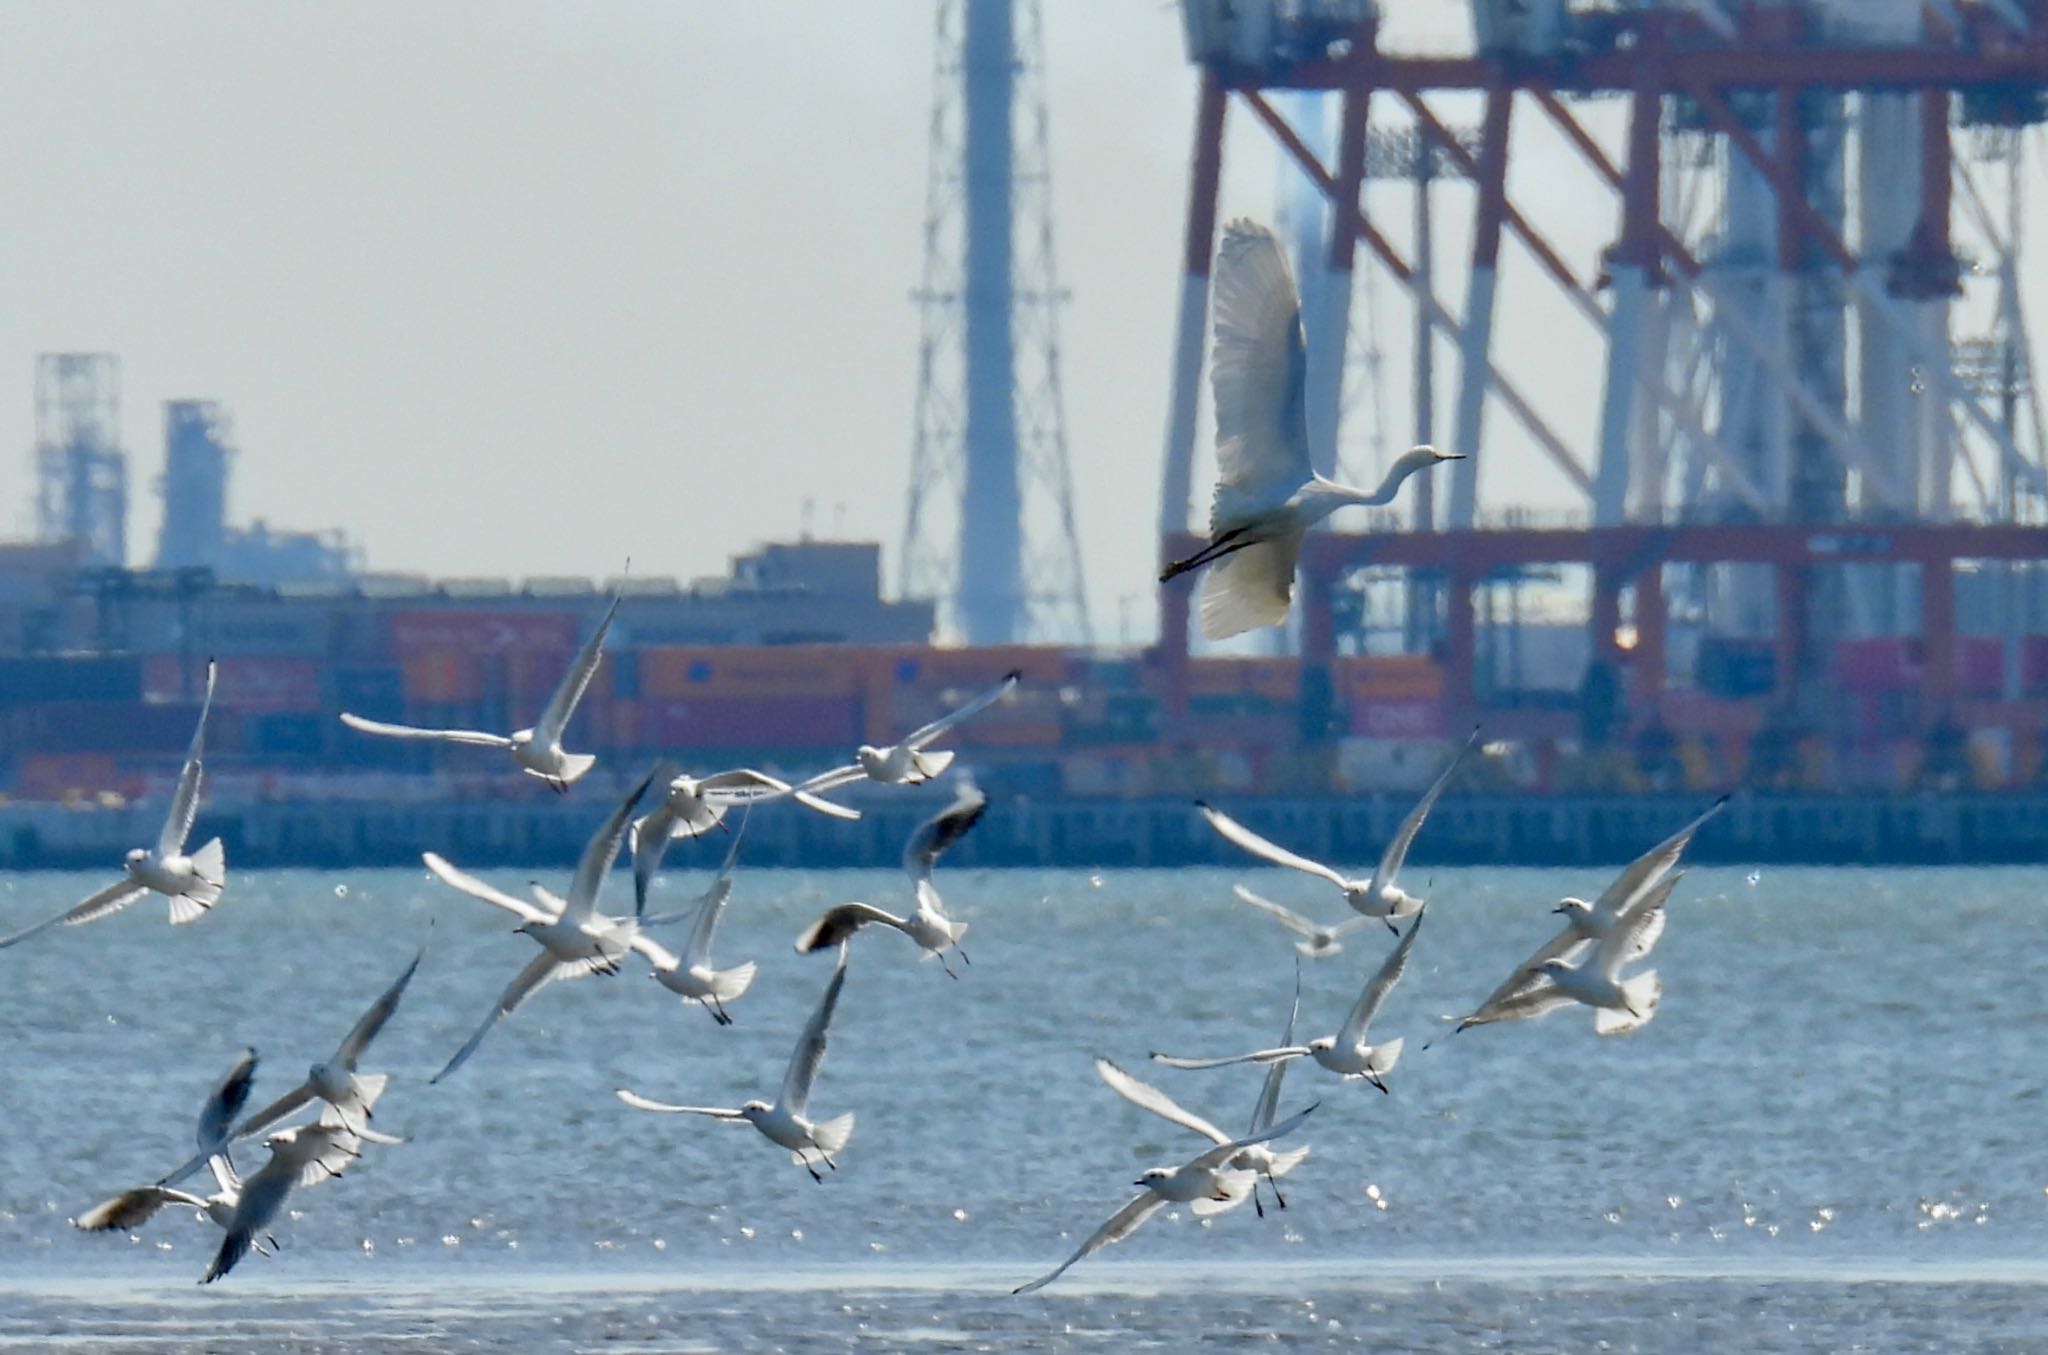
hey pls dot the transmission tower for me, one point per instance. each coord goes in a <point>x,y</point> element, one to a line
<point>81,472</point>
<point>989,530</point>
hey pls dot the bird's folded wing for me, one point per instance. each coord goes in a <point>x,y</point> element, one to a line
<point>112,899</point>
<point>1121,1225</point>
<point>1236,833</point>
<point>1145,1096</point>
<point>477,889</point>
<point>389,731</point>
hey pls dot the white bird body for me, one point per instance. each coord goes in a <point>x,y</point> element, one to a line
<point>1204,1182</point>
<point>538,750</point>
<point>192,881</point>
<point>928,925</point>
<point>575,939</point>
<point>1619,1005</point>
<point>907,763</point>
<point>1267,493</point>
<point>1634,901</point>
<point>1375,896</point>
<point>305,1155</point>
<point>1347,1053</point>
<point>787,1121</point>
<point>691,975</point>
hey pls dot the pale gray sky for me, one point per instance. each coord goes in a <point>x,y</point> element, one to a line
<point>520,288</point>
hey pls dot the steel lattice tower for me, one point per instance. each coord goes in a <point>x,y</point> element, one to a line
<point>990,525</point>
<point>81,472</point>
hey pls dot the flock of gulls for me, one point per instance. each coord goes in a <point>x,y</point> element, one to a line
<point>1266,498</point>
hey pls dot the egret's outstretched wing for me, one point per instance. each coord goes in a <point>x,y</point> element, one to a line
<point>112,899</point>
<point>477,889</point>
<point>1145,1096</point>
<point>932,837</point>
<point>603,849</point>
<point>372,1021</point>
<point>639,1102</point>
<point>1241,836</point>
<point>185,799</point>
<point>1643,873</point>
<point>1257,372</point>
<point>1250,587</point>
<point>840,923</point>
<point>809,1054</point>
<point>1382,983</point>
<point>922,736</point>
<point>1279,1055</point>
<point>1404,836</point>
<point>553,720</point>
<point>389,731</point>
<point>540,971</point>
<point>1121,1225</point>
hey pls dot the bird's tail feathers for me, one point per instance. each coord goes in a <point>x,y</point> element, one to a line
<point>1284,1163</point>
<point>932,764</point>
<point>1385,1056</point>
<point>728,984</point>
<point>574,765</point>
<point>1641,994</point>
<point>831,1136</point>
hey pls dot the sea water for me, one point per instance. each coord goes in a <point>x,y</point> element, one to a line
<point>1829,1139</point>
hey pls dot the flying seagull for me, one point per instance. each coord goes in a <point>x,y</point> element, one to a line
<point>928,925</point>
<point>787,1122</point>
<point>1374,896</point>
<point>1346,1053</point>
<point>192,883</point>
<point>1206,1183</point>
<point>538,750</point>
<point>907,763</point>
<point>575,939</point>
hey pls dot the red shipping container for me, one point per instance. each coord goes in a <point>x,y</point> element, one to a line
<point>1980,664</point>
<point>462,631</point>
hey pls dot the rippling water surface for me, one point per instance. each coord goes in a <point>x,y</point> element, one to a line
<point>1829,1139</point>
